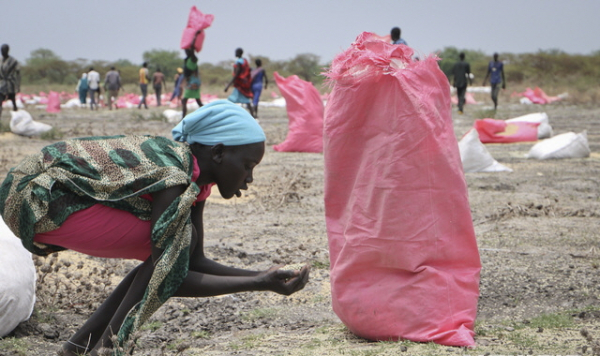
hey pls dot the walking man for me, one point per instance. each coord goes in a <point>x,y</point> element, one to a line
<point>462,72</point>
<point>10,78</point>
<point>496,74</point>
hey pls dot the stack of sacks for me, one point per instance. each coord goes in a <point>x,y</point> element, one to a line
<point>17,281</point>
<point>544,130</point>
<point>22,124</point>
<point>475,157</point>
<point>567,145</point>
<point>196,21</point>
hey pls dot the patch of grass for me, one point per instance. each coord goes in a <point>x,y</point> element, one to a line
<point>200,334</point>
<point>53,134</point>
<point>13,346</point>
<point>259,313</point>
<point>155,116</point>
<point>552,321</point>
<point>153,326</point>
<point>485,114</point>
<point>320,265</point>
<point>4,127</point>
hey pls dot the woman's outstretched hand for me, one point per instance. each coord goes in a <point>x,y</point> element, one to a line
<point>284,281</point>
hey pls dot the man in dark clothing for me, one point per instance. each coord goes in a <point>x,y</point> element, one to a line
<point>462,73</point>
<point>496,74</point>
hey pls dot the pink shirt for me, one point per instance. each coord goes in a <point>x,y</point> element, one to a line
<point>102,231</point>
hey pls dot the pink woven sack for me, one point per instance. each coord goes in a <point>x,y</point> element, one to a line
<point>305,112</point>
<point>404,259</point>
<point>196,21</point>
<point>500,131</point>
<point>53,102</point>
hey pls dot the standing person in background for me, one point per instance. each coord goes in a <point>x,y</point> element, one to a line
<point>144,79</point>
<point>496,74</point>
<point>82,89</point>
<point>112,85</point>
<point>258,76</point>
<point>178,86</point>
<point>462,72</point>
<point>158,81</point>
<point>242,89</point>
<point>10,78</point>
<point>395,34</point>
<point>93,87</point>
<point>191,76</point>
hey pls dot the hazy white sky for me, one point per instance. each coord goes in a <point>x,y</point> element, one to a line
<point>281,29</point>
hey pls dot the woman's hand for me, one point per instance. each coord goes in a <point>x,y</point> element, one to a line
<point>283,281</point>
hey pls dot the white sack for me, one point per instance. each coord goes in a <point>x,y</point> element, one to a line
<point>567,145</point>
<point>72,103</point>
<point>475,157</point>
<point>172,116</point>
<point>21,123</point>
<point>17,281</point>
<point>544,128</point>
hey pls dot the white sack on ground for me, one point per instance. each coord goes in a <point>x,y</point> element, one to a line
<point>567,145</point>
<point>475,157</point>
<point>21,123</point>
<point>544,128</point>
<point>17,281</point>
<point>172,116</point>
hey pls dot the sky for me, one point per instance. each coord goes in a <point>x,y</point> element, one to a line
<point>281,29</point>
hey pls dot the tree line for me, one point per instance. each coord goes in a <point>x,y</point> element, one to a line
<point>544,68</point>
<point>45,67</point>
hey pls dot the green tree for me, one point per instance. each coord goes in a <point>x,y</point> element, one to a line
<point>43,66</point>
<point>307,67</point>
<point>167,61</point>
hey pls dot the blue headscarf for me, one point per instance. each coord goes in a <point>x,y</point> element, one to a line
<point>219,122</point>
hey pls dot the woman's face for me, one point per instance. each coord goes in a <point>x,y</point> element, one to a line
<point>235,168</point>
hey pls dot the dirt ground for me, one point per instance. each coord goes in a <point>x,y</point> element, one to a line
<point>537,228</point>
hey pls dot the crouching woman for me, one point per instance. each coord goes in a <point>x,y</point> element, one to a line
<point>141,197</point>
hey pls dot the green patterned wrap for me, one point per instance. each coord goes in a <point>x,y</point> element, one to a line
<point>44,189</point>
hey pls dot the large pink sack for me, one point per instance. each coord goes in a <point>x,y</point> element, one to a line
<point>196,21</point>
<point>305,112</point>
<point>500,131</point>
<point>53,102</point>
<point>404,259</point>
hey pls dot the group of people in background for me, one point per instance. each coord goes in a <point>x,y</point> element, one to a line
<point>247,83</point>
<point>462,74</point>
<point>89,84</point>
<point>158,84</point>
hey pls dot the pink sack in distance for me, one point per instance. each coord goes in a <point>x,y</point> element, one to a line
<point>53,102</point>
<point>403,255</point>
<point>196,21</point>
<point>305,112</point>
<point>500,131</point>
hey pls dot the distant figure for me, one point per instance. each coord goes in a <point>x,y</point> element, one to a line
<point>178,86</point>
<point>82,89</point>
<point>144,79</point>
<point>10,78</point>
<point>462,73</point>
<point>396,39</point>
<point>242,90</point>
<point>496,74</point>
<point>258,76</point>
<point>112,85</point>
<point>93,87</point>
<point>191,76</point>
<point>158,82</point>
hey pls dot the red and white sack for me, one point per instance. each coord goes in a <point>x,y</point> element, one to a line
<point>196,21</point>
<point>404,259</point>
<point>305,112</point>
